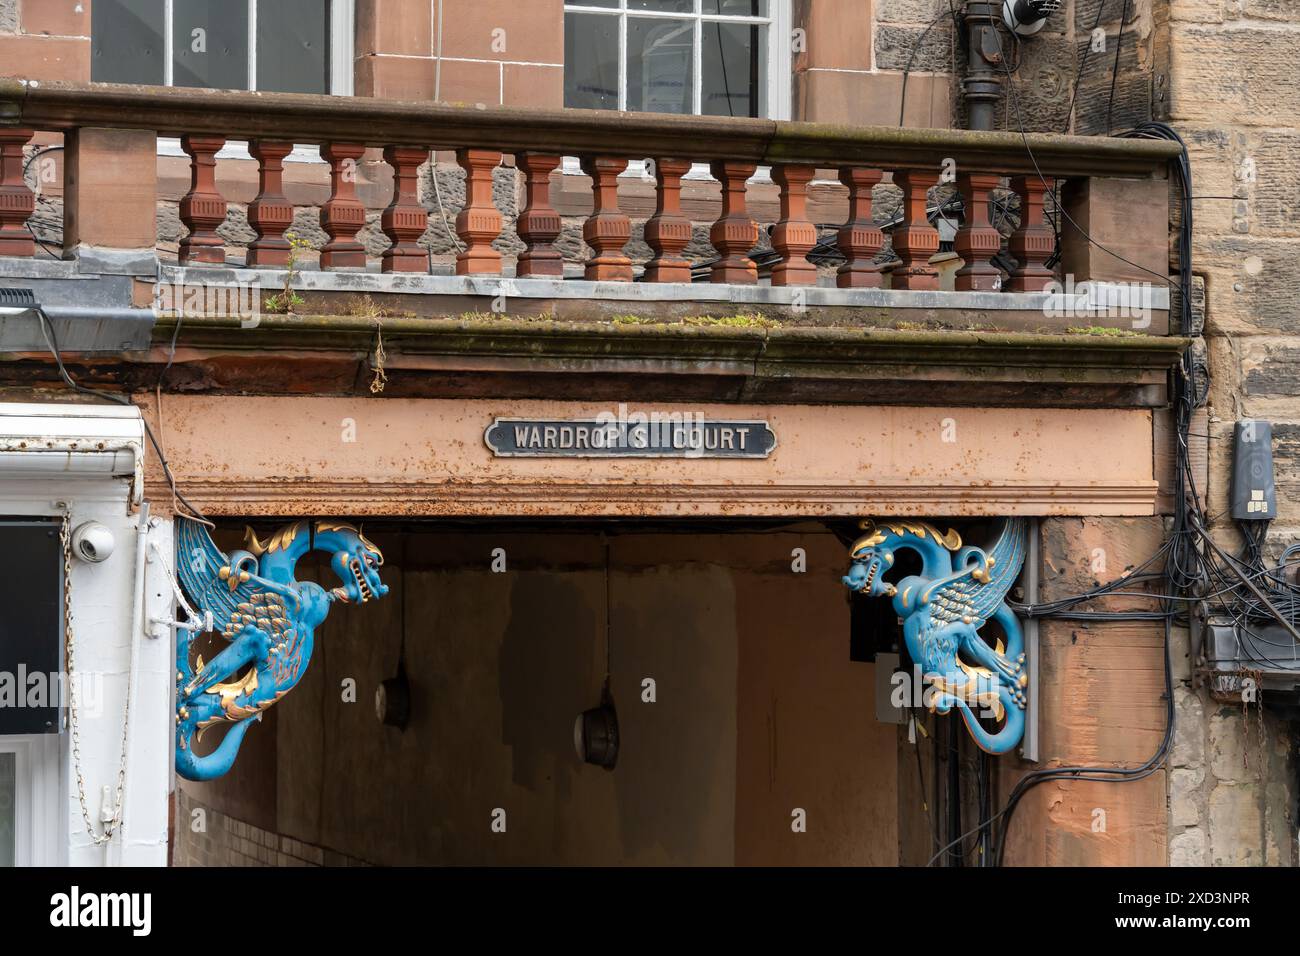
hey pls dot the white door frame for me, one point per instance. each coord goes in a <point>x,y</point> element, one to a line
<point>37,819</point>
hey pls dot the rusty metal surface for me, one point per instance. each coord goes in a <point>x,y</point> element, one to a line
<point>355,456</point>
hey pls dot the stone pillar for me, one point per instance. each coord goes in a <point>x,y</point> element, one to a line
<point>1129,217</point>
<point>110,183</point>
<point>1101,697</point>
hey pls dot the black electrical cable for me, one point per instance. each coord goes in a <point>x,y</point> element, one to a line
<point>52,340</point>
<point>916,48</point>
<point>1184,565</point>
<point>1083,63</point>
<point>1114,74</point>
<point>40,197</point>
<point>1024,135</point>
<point>926,803</point>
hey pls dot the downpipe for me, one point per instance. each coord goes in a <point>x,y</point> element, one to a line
<point>983,83</point>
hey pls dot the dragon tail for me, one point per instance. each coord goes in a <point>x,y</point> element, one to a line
<point>193,767</point>
<point>1005,739</point>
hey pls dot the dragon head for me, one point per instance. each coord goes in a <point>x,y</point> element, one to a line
<point>873,553</point>
<point>353,559</point>
<point>867,572</point>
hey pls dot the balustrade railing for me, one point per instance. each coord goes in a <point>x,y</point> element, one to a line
<point>981,167</point>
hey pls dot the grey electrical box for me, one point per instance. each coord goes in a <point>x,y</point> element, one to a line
<point>1254,497</point>
<point>886,666</point>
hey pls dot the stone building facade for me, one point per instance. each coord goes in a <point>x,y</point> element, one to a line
<point>1216,71</point>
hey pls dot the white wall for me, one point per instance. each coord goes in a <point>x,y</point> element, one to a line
<point>102,610</point>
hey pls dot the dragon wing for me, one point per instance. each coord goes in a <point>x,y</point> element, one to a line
<point>199,563</point>
<point>979,590</point>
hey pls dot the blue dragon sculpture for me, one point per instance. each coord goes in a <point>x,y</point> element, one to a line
<point>943,608</point>
<point>269,619</point>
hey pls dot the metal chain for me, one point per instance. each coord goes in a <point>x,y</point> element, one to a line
<point>98,839</point>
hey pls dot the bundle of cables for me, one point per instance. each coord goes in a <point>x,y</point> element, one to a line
<point>1175,577</point>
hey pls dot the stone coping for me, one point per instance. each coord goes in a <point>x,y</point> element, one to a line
<point>1098,298</point>
<point>309,119</point>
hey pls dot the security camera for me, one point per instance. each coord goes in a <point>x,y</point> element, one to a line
<point>1027,17</point>
<point>92,542</point>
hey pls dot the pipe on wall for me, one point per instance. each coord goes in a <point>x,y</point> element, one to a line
<point>982,85</point>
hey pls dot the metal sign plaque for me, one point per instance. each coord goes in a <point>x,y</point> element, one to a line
<point>630,436</point>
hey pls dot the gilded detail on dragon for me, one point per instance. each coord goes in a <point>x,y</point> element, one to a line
<point>268,620</point>
<point>943,608</point>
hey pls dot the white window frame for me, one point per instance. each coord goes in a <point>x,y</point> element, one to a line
<point>779,40</point>
<point>342,18</point>
<point>37,822</point>
<point>780,73</point>
<point>343,15</point>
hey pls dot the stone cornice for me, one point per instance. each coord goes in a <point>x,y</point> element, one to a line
<point>530,358</point>
<point>612,499</point>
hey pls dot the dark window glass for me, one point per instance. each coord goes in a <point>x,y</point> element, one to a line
<point>127,41</point>
<point>590,61</point>
<point>735,64</point>
<point>663,6</point>
<point>210,44</point>
<point>31,627</point>
<point>737,8</point>
<point>293,46</point>
<point>660,65</point>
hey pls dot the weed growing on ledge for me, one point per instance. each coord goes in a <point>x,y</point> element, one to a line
<point>742,320</point>
<point>284,302</point>
<point>1104,330</point>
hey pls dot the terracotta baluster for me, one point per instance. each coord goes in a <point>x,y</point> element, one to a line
<point>343,215</point>
<point>860,238</point>
<point>479,222</point>
<point>735,233</point>
<point>915,240</point>
<point>203,209</point>
<point>608,230</point>
<point>977,239</point>
<point>270,214</point>
<point>17,202</point>
<point>1031,245</point>
<point>539,224</point>
<point>405,219</point>
<point>668,232</point>
<point>794,236</point>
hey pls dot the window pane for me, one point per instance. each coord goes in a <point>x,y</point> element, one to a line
<point>660,60</point>
<point>590,61</point>
<point>210,44</point>
<point>126,43</point>
<point>612,4</point>
<point>737,8</point>
<point>293,46</point>
<point>735,70</point>
<point>663,6</point>
<point>9,808</point>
